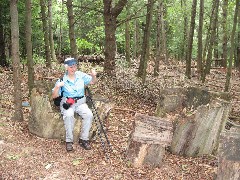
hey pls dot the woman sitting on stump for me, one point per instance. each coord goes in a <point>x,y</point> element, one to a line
<point>74,100</point>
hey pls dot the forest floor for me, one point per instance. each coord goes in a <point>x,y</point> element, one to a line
<point>25,156</point>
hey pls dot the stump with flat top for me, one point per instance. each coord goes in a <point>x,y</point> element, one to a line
<point>148,140</point>
<point>229,155</point>
<point>46,120</point>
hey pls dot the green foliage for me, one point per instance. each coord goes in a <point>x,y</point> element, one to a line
<point>84,46</point>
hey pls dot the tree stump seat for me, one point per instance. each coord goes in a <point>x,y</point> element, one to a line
<point>148,140</point>
<point>46,120</point>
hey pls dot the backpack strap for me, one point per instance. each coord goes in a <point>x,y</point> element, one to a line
<point>61,79</point>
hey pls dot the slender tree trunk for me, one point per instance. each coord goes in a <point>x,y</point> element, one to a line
<point>212,38</point>
<point>51,41</point>
<point>183,46</point>
<point>215,46</point>
<point>229,70</point>
<point>164,38</point>
<point>142,70</point>
<point>71,22</point>
<point>225,33</point>
<point>45,30</point>
<point>190,40</point>
<point>110,22</point>
<point>136,39</point>
<point>3,59</point>
<point>238,43</point>
<point>209,32</point>
<point>28,16</point>
<point>158,41</point>
<point>127,39</point>
<point>18,114</point>
<point>200,44</point>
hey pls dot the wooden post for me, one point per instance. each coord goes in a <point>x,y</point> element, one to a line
<point>148,140</point>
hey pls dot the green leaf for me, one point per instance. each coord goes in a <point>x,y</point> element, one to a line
<point>77,161</point>
<point>13,157</point>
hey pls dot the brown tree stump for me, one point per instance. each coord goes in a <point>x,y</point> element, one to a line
<point>229,155</point>
<point>45,118</point>
<point>148,140</point>
<point>197,132</point>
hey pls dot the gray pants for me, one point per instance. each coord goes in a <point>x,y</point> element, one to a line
<point>82,109</point>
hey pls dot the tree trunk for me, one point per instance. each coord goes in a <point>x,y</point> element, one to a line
<point>229,70</point>
<point>183,45</point>
<point>190,40</point>
<point>71,23</point>
<point>127,39</point>
<point>212,38</point>
<point>3,59</point>
<point>225,33</point>
<point>200,44</point>
<point>45,30</point>
<point>110,22</point>
<point>18,114</point>
<point>158,41</point>
<point>51,41</point>
<point>164,38</point>
<point>148,140</point>
<point>238,44</point>
<point>229,155</point>
<point>28,16</point>
<point>142,70</point>
<point>136,39</point>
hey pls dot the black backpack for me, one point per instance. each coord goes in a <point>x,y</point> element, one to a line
<point>58,99</point>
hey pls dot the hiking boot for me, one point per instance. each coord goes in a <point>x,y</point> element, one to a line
<point>85,144</point>
<point>69,146</point>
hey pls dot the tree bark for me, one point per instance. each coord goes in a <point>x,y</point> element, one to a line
<point>142,70</point>
<point>229,155</point>
<point>225,33</point>
<point>229,70</point>
<point>163,31</point>
<point>3,59</point>
<point>238,44</point>
<point>212,38</point>
<point>190,40</point>
<point>200,44</point>
<point>71,23</point>
<point>45,30</point>
<point>127,38</point>
<point>28,17</point>
<point>158,41</point>
<point>51,41</point>
<point>18,114</point>
<point>110,22</point>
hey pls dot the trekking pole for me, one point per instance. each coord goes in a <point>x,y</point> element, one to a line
<point>97,118</point>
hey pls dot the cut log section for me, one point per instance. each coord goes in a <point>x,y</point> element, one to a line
<point>229,155</point>
<point>198,134</point>
<point>46,121</point>
<point>148,140</point>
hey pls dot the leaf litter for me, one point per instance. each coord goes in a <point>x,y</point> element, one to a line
<point>26,156</point>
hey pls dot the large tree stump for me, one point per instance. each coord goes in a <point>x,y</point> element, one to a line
<point>148,140</point>
<point>229,155</point>
<point>197,132</point>
<point>46,120</point>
